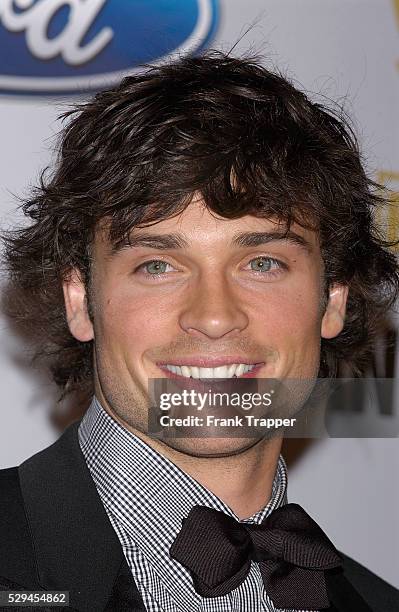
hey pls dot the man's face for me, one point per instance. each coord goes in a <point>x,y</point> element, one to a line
<point>202,291</point>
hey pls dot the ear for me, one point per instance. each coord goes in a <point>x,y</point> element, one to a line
<point>334,316</point>
<point>75,300</point>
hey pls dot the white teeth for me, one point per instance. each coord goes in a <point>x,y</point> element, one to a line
<point>221,372</point>
<point>206,372</point>
<point>225,371</point>
<point>231,370</point>
<point>240,369</point>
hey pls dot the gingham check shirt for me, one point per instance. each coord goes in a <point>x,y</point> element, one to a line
<point>146,496</point>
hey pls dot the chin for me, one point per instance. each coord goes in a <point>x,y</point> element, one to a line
<point>210,447</point>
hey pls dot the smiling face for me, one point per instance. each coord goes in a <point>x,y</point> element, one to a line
<point>199,291</point>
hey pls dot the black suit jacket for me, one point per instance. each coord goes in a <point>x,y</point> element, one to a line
<point>55,535</point>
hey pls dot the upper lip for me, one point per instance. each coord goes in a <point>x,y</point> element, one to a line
<point>209,362</point>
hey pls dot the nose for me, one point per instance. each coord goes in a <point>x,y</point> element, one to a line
<point>213,311</point>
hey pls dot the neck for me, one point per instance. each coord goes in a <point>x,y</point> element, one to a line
<point>242,480</point>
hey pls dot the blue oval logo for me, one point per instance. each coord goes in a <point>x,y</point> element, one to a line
<point>51,46</point>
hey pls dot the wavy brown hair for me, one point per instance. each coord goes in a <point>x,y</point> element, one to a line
<point>242,136</point>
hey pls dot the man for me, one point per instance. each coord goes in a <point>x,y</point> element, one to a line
<point>205,220</point>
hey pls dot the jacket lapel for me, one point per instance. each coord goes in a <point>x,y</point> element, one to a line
<point>76,548</point>
<point>125,596</point>
<point>342,594</point>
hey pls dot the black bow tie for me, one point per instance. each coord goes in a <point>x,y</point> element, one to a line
<point>292,551</point>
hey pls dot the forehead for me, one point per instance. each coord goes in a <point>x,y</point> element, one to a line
<point>197,225</point>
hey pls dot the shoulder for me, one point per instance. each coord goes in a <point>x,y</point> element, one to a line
<point>18,554</point>
<point>381,596</point>
<point>13,524</point>
<point>17,564</point>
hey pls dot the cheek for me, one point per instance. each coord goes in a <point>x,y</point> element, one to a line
<point>290,314</point>
<point>130,323</point>
<point>291,324</point>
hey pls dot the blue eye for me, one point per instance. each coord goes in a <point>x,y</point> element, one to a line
<point>264,264</point>
<point>155,267</point>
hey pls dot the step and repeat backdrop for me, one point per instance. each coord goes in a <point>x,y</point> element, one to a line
<point>55,52</point>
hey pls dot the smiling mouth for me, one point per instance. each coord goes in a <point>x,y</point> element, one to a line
<point>230,370</point>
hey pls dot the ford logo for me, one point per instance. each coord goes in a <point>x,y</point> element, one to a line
<point>50,46</point>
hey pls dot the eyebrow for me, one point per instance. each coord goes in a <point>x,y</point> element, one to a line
<point>164,242</point>
<point>251,239</point>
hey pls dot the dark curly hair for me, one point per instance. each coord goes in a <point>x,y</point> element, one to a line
<point>242,136</point>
